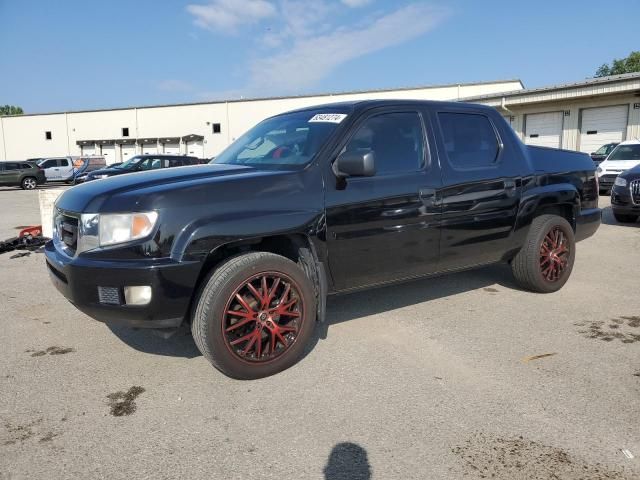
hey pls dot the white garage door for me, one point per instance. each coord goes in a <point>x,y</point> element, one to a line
<point>109,153</point>
<point>544,129</point>
<point>150,149</point>
<point>172,148</point>
<point>195,149</point>
<point>88,150</point>
<point>602,125</point>
<point>126,152</point>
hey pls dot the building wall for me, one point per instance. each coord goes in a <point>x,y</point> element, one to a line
<point>24,136</point>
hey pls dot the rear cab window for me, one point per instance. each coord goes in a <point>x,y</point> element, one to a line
<point>470,140</point>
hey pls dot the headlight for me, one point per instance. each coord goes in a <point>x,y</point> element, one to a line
<point>125,227</point>
<point>100,230</point>
<point>620,182</point>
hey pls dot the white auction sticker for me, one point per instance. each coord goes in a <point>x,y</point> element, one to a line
<point>328,117</point>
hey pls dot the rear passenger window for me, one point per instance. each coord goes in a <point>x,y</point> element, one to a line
<point>396,139</point>
<point>174,162</point>
<point>469,139</point>
<point>12,166</point>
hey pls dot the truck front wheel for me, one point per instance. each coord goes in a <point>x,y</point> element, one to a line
<point>546,259</point>
<point>254,315</point>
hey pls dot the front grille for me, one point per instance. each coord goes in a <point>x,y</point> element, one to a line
<point>68,232</point>
<point>608,178</point>
<point>634,186</point>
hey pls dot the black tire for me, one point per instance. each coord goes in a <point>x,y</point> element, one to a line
<point>528,265</point>
<point>625,218</point>
<point>29,183</point>
<point>210,317</point>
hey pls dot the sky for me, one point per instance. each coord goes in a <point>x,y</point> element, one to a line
<point>89,54</point>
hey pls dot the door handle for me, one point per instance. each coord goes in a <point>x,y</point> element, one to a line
<point>429,197</point>
<point>510,187</point>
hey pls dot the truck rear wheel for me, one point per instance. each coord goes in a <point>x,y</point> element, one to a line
<point>254,315</point>
<point>546,259</point>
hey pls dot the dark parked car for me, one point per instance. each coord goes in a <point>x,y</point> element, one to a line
<point>600,154</point>
<point>316,202</point>
<point>23,174</point>
<point>139,163</point>
<point>625,196</point>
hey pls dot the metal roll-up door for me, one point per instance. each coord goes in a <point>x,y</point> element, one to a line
<point>544,129</point>
<point>602,125</point>
<point>195,148</point>
<point>109,153</point>
<point>126,152</point>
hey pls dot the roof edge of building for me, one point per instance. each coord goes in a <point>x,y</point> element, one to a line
<point>283,97</point>
<point>558,87</point>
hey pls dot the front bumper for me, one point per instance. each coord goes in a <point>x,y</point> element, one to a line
<point>622,203</point>
<point>172,285</point>
<point>587,223</point>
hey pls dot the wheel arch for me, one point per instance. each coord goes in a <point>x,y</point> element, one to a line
<point>297,247</point>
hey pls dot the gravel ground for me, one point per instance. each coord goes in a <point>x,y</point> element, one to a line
<point>462,376</point>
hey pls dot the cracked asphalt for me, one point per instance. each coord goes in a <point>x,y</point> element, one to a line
<point>463,376</point>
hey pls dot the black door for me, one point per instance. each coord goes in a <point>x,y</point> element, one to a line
<point>383,227</point>
<point>481,173</point>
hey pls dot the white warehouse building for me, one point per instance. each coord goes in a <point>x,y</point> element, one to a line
<point>200,129</point>
<point>575,116</point>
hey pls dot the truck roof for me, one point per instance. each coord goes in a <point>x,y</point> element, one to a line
<point>358,105</point>
<point>635,141</point>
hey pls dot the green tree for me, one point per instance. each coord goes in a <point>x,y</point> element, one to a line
<point>621,65</point>
<point>10,110</point>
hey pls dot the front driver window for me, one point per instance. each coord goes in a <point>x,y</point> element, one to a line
<point>396,139</point>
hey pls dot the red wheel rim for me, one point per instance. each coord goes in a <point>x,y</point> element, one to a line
<point>263,317</point>
<point>554,255</point>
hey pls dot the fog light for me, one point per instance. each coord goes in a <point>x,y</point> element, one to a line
<point>137,295</point>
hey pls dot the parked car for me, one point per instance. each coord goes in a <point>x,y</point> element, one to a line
<point>84,165</point>
<point>21,174</point>
<point>140,163</point>
<point>600,154</point>
<point>315,202</point>
<point>57,169</point>
<point>66,169</point>
<point>625,156</point>
<point>625,196</point>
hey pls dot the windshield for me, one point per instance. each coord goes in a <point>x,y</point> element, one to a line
<point>283,141</point>
<point>602,150</point>
<point>626,152</point>
<point>129,164</point>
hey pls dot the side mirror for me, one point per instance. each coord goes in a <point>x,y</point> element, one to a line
<point>355,164</point>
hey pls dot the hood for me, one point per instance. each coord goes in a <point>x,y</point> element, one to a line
<point>618,165</point>
<point>139,191</point>
<point>632,173</point>
<point>109,171</point>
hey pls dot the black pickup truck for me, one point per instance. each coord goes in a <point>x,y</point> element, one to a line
<point>311,203</point>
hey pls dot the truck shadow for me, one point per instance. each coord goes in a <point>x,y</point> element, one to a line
<point>608,219</point>
<point>341,308</point>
